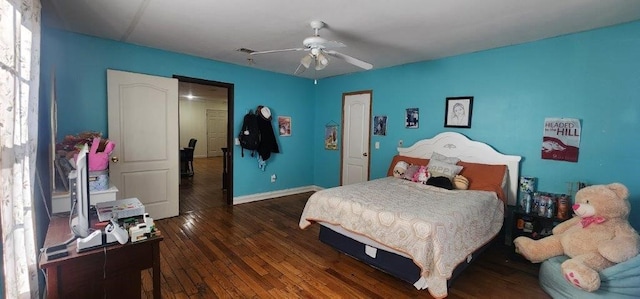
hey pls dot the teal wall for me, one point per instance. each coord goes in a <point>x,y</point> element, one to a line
<point>80,63</point>
<point>593,76</point>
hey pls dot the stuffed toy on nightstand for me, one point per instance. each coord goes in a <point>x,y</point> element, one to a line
<point>598,237</point>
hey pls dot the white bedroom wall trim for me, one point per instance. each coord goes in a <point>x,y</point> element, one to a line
<point>273,194</point>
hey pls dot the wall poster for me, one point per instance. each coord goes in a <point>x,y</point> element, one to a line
<point>331,137</point>
<point>561,139</point>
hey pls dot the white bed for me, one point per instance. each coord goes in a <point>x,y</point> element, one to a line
<point>389,221</point>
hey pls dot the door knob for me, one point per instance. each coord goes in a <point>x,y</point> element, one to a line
<point>364,154</point>
<point>114,159</point>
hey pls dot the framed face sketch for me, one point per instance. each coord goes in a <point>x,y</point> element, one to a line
<point>457,113</point>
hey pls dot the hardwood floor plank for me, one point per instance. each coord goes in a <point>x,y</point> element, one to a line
<point>257,250</point>
<point>216,287</point>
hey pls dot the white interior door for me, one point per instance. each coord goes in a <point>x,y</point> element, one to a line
<point>216,132</point>
<point>356,115</point>
<point>143,123</point>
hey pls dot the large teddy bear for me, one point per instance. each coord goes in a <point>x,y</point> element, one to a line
<point>597,237</point>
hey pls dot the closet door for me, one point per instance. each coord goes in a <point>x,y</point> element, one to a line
<point>356,118</point>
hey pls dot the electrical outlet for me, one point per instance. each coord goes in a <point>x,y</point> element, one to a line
<point>273,178</point>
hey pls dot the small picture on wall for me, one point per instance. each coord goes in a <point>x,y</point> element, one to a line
<point>380,125</point>
<point>284,125</point>
<point>457,113</point>
<point>411,120</point>
<point>331,137</point>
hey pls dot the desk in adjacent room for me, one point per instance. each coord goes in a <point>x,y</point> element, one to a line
<point>112,272</point>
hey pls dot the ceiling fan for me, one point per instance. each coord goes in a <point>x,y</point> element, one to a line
<point>319,49</point>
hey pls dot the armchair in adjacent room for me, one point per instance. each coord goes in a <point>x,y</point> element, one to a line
<point>186,158</point>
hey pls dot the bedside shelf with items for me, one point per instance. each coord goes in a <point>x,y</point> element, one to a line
<point>546,210</point>
<point>532,225</point>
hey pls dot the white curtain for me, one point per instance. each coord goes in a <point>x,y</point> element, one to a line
<point>19,84</point>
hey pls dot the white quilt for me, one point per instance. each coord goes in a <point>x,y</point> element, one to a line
<point>438,228</point>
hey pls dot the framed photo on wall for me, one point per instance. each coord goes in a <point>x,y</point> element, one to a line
<point>284,125</point>
<point>411,118</point>
<point>457,113</point>
<point>380,125</point>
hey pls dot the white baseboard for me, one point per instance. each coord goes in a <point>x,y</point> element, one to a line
<point>273,194</point>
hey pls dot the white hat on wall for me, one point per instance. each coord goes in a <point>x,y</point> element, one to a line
<point>265,112</point>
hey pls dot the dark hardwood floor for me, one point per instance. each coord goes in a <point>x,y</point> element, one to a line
<point>257,250</point>
<point>203,190</point>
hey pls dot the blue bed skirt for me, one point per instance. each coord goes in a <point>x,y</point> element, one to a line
<point>389,262</point>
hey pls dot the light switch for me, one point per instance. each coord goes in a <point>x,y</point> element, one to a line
<point>237,141</point>
<point>377,144</point>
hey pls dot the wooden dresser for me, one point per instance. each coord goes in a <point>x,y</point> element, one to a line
<point>109,272</point>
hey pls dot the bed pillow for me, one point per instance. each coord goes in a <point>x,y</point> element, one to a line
<point>485,177</point>
<point>443,158</point>
<point>439,168</point>
<point>411,161</point>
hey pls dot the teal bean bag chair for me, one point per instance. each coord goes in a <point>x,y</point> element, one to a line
<point>618,281</point>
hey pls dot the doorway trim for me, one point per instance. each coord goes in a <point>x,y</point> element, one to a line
<point>228,156</point>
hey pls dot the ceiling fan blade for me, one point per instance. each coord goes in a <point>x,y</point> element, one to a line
<point>276,51</point>
<point>333,44</point>
<point>357,62</point>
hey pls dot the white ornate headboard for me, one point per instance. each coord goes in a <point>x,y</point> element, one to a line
<point>454,144</point>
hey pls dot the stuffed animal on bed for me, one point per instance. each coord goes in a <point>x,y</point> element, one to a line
<point>400,168</point>
<point>460,182</point>
<point>597,237</point>
<point>422,175</point>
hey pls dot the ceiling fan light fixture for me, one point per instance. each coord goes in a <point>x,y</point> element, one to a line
<point>321,61</point>
<point>306,61</point>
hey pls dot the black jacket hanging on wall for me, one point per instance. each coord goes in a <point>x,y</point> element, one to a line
<point>268,143</point>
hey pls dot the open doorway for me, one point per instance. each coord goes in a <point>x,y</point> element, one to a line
<point>206,116</point>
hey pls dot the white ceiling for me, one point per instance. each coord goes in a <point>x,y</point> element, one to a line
<point>383,33</point>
